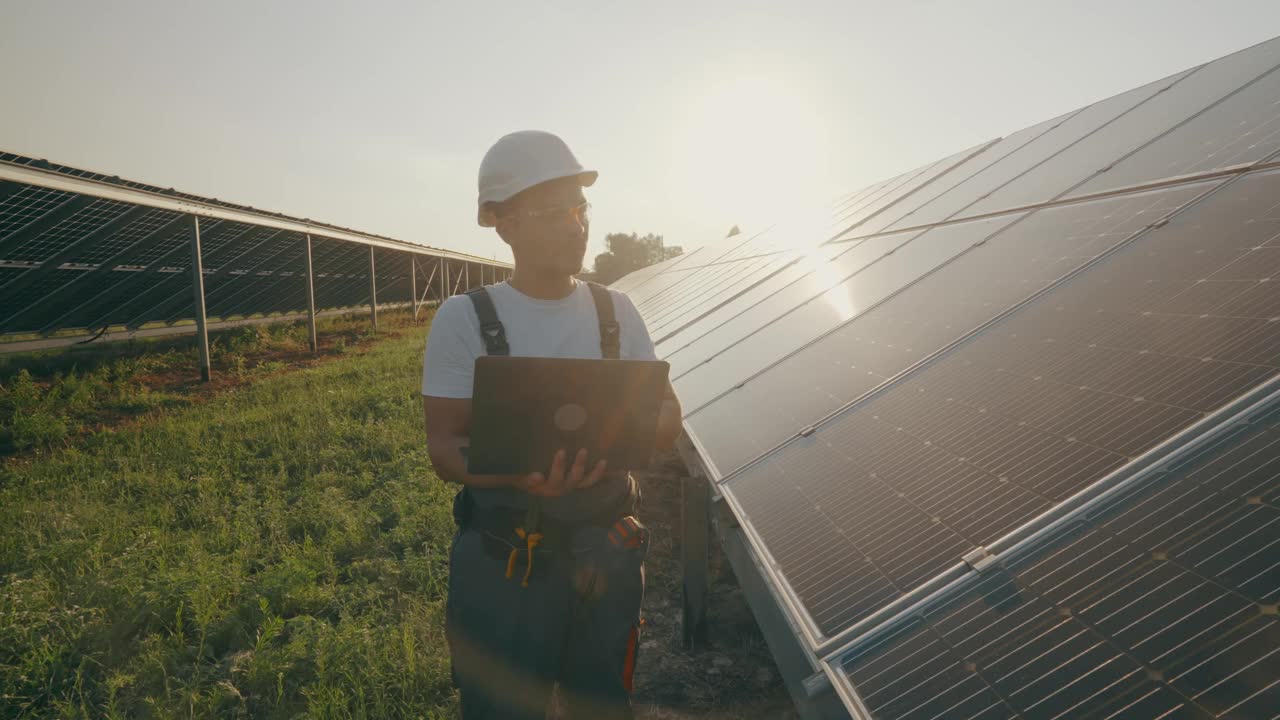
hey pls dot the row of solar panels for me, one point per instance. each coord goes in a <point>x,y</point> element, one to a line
<point>83,250</point>
<point>898,410</point>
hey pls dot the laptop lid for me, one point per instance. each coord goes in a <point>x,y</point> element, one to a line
<point>524,409</point>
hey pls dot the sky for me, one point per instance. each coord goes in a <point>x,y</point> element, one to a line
<point>698,115</point>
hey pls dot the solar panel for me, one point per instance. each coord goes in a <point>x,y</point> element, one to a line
<point>1160,605</point>
<point>790,268</point>
<point>831,294</point>
<point>1075,384</point>
<point>943,184</point>
<point>902,192</point>
<point>707,293</point>
<point>1012,167</point>
<point>1242,128</point>
<point>1193,93</point>
<point>882,341</point>
<point>80,249</point>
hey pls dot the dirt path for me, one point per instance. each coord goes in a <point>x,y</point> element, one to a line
<point>735,677</point>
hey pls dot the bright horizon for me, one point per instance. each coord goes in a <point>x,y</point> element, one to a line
<point>698,118</point>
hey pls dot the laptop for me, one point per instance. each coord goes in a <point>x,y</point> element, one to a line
<point>524,409</point>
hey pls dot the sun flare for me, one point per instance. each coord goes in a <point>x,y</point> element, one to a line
<point>750,146</point>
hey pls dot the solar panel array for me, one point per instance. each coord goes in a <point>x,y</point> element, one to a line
<point>84,250</point>
<point>1003,438</point>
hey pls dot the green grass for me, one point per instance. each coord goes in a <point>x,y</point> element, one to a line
<point>49,398</point>
<point>276,551</point>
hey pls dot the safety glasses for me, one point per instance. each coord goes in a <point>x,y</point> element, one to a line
<point>580,213</point>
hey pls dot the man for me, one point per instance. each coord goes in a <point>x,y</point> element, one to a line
<point>523,613</point>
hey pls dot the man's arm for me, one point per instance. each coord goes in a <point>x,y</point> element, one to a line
<point>669,420</point>
<point>448,426</point>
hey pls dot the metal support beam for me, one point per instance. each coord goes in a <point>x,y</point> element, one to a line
<point>466,274</point>
<point>695,557</point>
<point>43,224</point>
<point>413,284</point>
<point>197,289</point>
<point>458,281</point>
<point>373,291</point>
<point>426,290</point>
<point>444,280</point>
<point>311,299</point>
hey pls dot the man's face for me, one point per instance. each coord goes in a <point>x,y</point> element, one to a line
<point>545,227</point>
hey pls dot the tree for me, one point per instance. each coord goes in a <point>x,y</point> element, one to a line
<point>626,253</point>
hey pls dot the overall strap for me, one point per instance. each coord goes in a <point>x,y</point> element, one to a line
<point>491,330</point>
<point>610,332</point>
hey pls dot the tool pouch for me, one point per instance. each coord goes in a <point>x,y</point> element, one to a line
<point>608,561</point>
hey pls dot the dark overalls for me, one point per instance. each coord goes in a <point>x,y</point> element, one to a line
<point>523,614</point>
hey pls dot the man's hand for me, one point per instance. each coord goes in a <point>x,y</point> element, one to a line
<point>559,481</point>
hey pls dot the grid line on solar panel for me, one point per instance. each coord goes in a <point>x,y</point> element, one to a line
<point>1001,149</point>
<point>673,282</point>
<point>66,232</point>
<point>901,193</point>
<point>693,282</point>
<point>856,356</point>
<point>634,281</point>
<point>253,285</point>
<point>706,288</point>
<point>1193,94</point>
<point>1161,601</point>
<point>84,291</point>
<point>804,265</point>
<point>1242,128</point>
<point>1015,406</point>
<point>146,291</point>
<point>885,189</point>
<point>172,268</point>
<point>738,288</point>
<point>866,274</point>
<point>1014,165</point>
<point>27,205</point>
<point>126,236</point>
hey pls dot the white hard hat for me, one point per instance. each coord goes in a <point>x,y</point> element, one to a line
<point>521,160</point>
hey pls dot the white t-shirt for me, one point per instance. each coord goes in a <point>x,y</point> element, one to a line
<point>566,328</point>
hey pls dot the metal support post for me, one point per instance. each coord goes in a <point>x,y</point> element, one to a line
<point>695,545</point>
<point>373,291</point>
<point>311,298</point>
<point>413,284</point>
<point>444,280</point>
<point>197,288</point>
<point>466,276</point>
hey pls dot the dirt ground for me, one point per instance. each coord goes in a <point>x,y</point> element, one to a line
<point>734,676</point>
